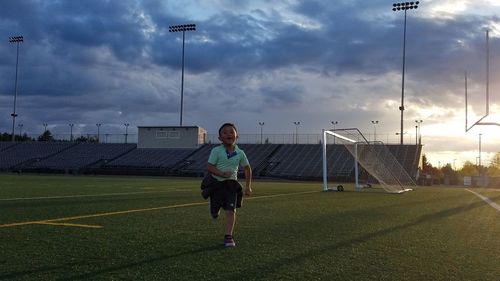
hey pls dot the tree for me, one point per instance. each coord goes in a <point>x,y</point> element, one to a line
<point>5,137</point>
<point>469,169</point>
<point>81,139</point>
<point>450,174</point>
<point>46,136</point>
<point>426,166</point>
<point>495,161</point>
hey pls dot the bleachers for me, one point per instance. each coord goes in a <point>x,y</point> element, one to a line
<point>257,154</point>
<point>294,160</point>
<point>196,163</point>
<point>151,158</point>
<point>291,161</point>
<point>14,155</point>
<point>82,155</point>
<point>408,156</point>
<point>5,145</point>
<point>304,161</point>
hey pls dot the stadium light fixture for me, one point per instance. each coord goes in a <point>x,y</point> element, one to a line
<point>297,123</point>
<point>98,132</point>
<point>16,40</point>
<point>182,28</point>
<point>261,126</point>
<point>404,6</point>
<point>374,122</point>
<point>71,131</point>
<point>418,138</point>
<point>126,131</point>
<point>334,123</point>
<point>398,133</point>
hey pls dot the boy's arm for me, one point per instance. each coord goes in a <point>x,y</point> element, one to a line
<point>248,180</point>
<point>214,171</point>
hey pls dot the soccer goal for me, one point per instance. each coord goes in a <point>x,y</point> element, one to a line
<point>372,156</point>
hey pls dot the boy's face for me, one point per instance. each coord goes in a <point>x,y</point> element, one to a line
<point>228,135</point>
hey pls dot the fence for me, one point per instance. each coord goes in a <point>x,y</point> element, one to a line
<point>243,138</point>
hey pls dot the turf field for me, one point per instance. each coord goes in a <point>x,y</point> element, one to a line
<point>140,228</point>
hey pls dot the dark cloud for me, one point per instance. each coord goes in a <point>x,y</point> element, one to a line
<point>93,60</point>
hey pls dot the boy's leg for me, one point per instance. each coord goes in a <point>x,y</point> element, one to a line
<point>215,203</point>
<point>230,220</point>
<point>229,206</point>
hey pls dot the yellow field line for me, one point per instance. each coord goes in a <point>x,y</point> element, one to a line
<point>54,221</point>
<point>71,224</point>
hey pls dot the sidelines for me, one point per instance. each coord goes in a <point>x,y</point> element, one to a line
<point>486,199</point>
<point>57,220</point>
<point>81,196</point>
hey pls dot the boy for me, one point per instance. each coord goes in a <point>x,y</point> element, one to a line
<point>223,164</point>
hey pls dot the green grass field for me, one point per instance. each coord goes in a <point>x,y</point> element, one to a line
<point>140,228</point>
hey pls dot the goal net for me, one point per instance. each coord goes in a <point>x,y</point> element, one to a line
<point>372,156</point>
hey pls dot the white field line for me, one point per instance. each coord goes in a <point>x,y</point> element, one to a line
<point>486,199</point>
<point>57,220</point>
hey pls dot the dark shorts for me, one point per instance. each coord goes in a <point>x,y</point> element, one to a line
<point>226,195</point>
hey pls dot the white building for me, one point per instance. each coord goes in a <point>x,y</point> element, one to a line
<point>171,137</point>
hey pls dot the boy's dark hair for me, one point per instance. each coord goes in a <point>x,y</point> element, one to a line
<point>227,124</point>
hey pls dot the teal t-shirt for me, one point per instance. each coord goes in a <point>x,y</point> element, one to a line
<point>225,161</point>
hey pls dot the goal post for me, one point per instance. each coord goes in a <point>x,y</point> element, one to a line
<point>374,157</point>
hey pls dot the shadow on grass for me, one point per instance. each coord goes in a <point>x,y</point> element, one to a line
<point>15,275</point>
<point>95,274</point>
<point>262,272</point>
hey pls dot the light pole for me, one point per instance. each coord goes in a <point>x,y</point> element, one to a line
<point>334,123</point>
<point>403,6</point>
<point>261,127</point>
<point>98,132</point>
<point>454,164</point>
<point>20,130</point>
<point>374,122</point>
<point>479,156</point>
<point>71,131</point>
<point>17,40</point>
<point>297,123</point>
<point>45,126</point>
<point>126,131</point>
<point>182,28</point>
<point>417,134</point>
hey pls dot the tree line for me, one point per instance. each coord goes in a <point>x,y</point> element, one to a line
<point>455,176</point>
<point>45,136</point>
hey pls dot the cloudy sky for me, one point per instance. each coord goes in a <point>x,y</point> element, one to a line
<point>278,62</point>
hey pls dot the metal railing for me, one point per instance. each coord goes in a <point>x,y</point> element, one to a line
<point>242,138</point>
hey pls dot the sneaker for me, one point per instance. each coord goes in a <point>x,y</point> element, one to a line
<point>229,241</point>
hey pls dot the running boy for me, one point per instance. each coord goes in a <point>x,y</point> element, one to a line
<point>223,164</point>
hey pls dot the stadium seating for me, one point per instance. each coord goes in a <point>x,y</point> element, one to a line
<point>81,155</point>
<point>22,152</point>
<point>289,161</point>
<point>151,158</point>
<point>5,145</point>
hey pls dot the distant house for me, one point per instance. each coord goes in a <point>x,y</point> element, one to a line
<point>171,137</point>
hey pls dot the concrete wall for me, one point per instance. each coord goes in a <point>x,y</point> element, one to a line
<point>171,137</point>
